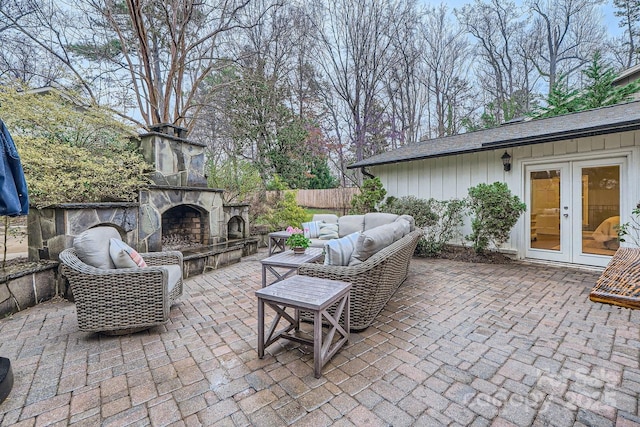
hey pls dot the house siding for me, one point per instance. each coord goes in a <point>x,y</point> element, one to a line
<point>450,177</point>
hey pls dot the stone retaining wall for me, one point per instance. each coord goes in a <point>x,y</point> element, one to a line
<point>27,288</point>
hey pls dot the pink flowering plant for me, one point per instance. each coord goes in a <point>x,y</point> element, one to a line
<point>297,238</point>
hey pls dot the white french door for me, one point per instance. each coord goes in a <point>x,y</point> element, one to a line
<point>573,210</point>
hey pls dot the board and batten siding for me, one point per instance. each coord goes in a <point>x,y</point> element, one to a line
<point>450,177</point>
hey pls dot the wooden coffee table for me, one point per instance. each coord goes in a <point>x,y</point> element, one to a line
<point>288,261</point>
<point>310,294</point>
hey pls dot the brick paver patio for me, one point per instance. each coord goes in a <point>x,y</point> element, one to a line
<point>458,344</point>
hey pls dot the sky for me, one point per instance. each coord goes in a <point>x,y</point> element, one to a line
<point>610,21</point>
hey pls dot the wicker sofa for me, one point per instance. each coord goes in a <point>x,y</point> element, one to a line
<point>118,301</point>
<point>373,281</point>
<point>348,224</point>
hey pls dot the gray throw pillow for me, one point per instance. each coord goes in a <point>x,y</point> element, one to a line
<point>403,225</point>
<point>412,221</point>
<point>92,246</point>
<point>376,219</point>
<point>372,241</point>
<point>328,231</point>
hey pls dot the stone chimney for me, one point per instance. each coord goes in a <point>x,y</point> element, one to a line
<point>177,161</point>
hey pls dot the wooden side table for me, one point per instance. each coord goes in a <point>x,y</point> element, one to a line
<point>289,262</point>
<point>309,294</point>
<point>277,241</point>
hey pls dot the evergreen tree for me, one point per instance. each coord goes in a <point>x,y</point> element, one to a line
<point>599,91</point>
<point>320,175</point>
<point>561,100</point>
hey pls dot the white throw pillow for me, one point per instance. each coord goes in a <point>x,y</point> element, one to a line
<point>124,256</point>
<point>338,251</point>
<point>175,274</point>
<point>311,229</point>
<point>92,246</point>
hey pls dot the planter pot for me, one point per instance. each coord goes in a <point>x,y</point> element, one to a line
<point>299,250</point>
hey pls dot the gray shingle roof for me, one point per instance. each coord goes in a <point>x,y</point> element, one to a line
<point>599,121</point>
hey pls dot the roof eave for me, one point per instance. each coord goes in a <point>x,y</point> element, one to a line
<point>516,142</point>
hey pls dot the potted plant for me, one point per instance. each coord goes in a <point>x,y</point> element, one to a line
<point>298,242</point>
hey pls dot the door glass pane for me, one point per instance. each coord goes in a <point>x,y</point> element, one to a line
<point>545,210</point>
<point>600,209</point>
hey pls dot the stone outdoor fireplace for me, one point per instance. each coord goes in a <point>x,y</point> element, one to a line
<point>184,226</point>
<point>236,216</point>
<point>177,212</point>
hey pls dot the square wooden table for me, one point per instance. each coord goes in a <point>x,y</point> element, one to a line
<point>277,241</point>
<point>310,294</point>
<point>288,261</point>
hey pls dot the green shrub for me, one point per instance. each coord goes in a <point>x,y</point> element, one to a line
<point>286,212</point>
<point>449,218</point>
<point>277,184</point>
<point>440,220</point>
<point>494,211</point>
<point>371,195</point>
<point>59,173</point>
<point>419,209</point>
<point>630,230</point>
<point>72,154</point>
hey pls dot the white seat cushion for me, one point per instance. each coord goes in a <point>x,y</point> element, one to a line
<point>175,274</point>
<point>350,224</point>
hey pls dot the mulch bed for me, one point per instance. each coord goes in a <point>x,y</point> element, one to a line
<point>467,254</point>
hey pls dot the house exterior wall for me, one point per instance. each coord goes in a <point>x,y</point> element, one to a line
<point>450,177</point>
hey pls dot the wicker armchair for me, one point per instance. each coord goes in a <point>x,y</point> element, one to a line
<point>122,300</point>
<point>374,281</point>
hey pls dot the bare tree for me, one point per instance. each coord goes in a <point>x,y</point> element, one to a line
<point>161,50</point>
<point>407,98</point>
<point>629,13</point>
<point>446,55</point>
<point>266,106</point>
<point>567,33</point>
<point>355,53</point>
<point>502,70</point>
<point>21,59</point>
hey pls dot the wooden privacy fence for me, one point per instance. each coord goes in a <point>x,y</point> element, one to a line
<point>330,198</point>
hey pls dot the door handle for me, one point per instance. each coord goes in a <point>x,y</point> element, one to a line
<point>566,215</point>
